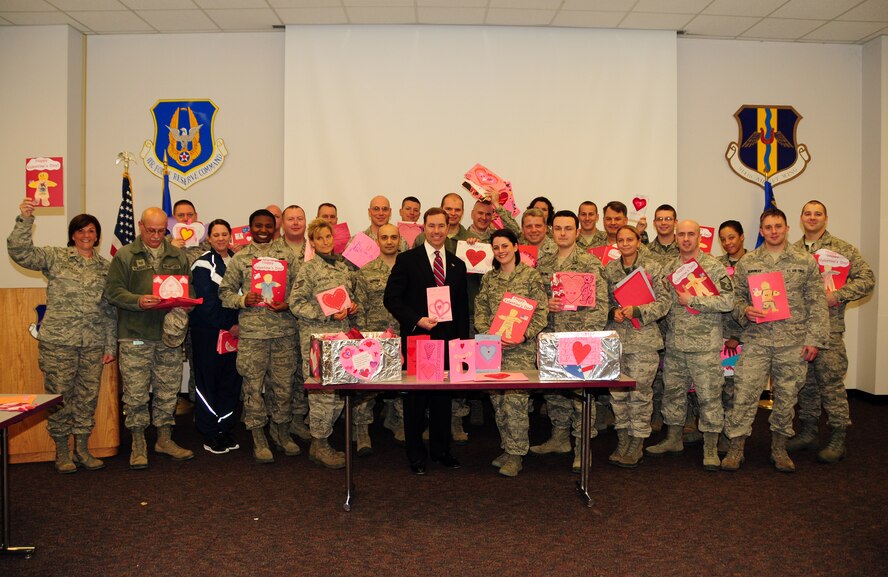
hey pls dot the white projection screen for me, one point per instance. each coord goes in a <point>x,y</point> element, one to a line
<point>570,114</point>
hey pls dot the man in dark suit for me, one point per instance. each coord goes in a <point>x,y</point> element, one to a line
<point>416,270</point>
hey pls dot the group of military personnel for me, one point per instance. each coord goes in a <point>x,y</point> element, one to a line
<point>672,346</point>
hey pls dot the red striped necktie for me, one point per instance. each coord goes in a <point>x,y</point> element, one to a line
<point>439,269</point>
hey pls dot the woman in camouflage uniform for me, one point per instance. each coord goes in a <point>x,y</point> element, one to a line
<point>730,234</point>
<point>78,335</point>
<point>633,408</point>
<point>519,353</point>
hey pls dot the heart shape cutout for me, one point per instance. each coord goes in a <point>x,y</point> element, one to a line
<point>487,351</point>
<point>475,256</point>
<point>335,299</point>
<point>484,177</point>
<point>362,361</point>
<point>639,203</point>
<point>498,376</point>
<point>581,351</point>
<point>191,232</point>
<point>441,307</point>
<point>170,288</point>
<point>571,285</point>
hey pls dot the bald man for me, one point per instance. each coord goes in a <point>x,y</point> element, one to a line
<point>275,210</point>
<point>146,361</point>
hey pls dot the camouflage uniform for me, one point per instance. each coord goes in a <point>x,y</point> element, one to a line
<point>599,238</point>
<point>510,407</point>
<point>566,411</point>
<point>731,329</point>
<point>79,327</point>
<point>267,345</point>
<point>315,276</point>
<point>665,251</point>
<point>825,383</point>
<point>775,348</point>
<point>370,284</point>
<point>632,409</point>
<point>298,400</point>
<point>693,347</point>
<point>146,363</point>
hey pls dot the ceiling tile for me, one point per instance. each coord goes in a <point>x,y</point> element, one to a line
<point>88,5</point>
<point>781,29</point>
<point>743,7</point>
<point>587,19</point>
<point>230,4</point>
<point>160,4</point>
<point>113,22</point>
<point>381,15</point>
<point>814,9</point>
<point>25,6</point>
<point>319,15</point>
<point>247,19</point>
<point>456,15</point>
<point>453,3</point>
<point>526,4</point>
<point>508,17</point>
<point>38,18</point>
<point>304,4</point>
<point>844,31</point>
<point>178,20</point>
<point>379,3</point>
<point>645,21</point>
<point>599,5</point>
<point>730,26</point>
<point>671,6</point>
<point>869,10</point>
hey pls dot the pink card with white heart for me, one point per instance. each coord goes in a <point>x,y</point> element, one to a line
<point>488,353</point>
<point>333,300</point>
<point>430,361</point>
<point>462,360</point>
<point>439,303</point>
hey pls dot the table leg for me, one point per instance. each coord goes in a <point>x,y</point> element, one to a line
<point>349,484</point>
<point>585,447</point>
<point>5,549</point>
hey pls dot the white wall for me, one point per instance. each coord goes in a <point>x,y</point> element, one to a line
<point>241,73</point>
<point>41,68</point>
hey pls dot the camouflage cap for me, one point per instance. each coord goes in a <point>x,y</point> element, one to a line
<point>175,325</point>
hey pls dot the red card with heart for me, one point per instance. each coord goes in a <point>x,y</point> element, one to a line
<point>462,360</point>
<point>226,343</point>
<point>439,303</point>
<point>529,254</point>
<point>478,257</point>
<point>501,377</point>
<point>582,351</point>
<point>430,361</point>
<point>411,351</point>
<point>240,236</point>
<point>170,286</point>
<point>334,300</point>
<point>605,253</point>
<point>576,289</point>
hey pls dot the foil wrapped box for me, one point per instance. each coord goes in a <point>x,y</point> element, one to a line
<point>368,360</point>
<point>574,356</point>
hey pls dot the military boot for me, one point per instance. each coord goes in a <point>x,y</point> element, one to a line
<point>501,460</point>
<point>779,456</point>
<point>634,453</point>
<point>63,462</point>
<point>459,436</point>
<point>622,445</point>
<point>476,413</point>
<point>805,439</point>
<point>261,452</point>
<point>672,444</point>
<point>835,449</point>
<point>321,452</point>
<point>577,462</point>
<point>723,443</point>
<point>711,462</point>
<point>559,443</point>
<point>139,454</point>
<point>362,438</point>
<point>83,456</point>
<point>734,458</point>
<point>512,466</point>
<point>394,424</point>
<point>299,428</point>
<point>280,436</point>
<point>165,445</point>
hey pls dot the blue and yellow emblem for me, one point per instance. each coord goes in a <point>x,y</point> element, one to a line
<point>185,141</point>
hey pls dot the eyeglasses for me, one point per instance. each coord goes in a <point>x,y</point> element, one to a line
<point>664,219</point>
<point>155,231</point>
<point>381,208</point>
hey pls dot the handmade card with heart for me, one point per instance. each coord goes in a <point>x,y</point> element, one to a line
<point>430,361</point>
<point>580,351</point>
<point>170,286</point>
<point>334,300</point>
<point>439,303</point>
<point>488,353</point>
<point>411,351</point>
<point>241,236</point>
<point>191,232</point>
<point>501,377</point>
<point>409,231</point>
<point>638,208</point>
<point>478,257</point>
<point>462,360</point>
<point>576,289</point>
<point>362,361</point>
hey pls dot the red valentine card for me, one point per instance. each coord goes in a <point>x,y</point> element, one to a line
<point>226,343</point>
<point>691,278</point>
<point>240,236</point>
<point>478,257</point>
<point>361,250</point>
<point>411,352</point>
<point>512,317</point>
<point>462,360</point>
<point>488,353</point>
<point>341,235</point>
<point>605,253</point>
<point>409,231</point>
<point>834,269</point>
<point>439,303</point>
<point>529,254</point>
<point>170,286</point>
<point>634,290</point>
<point>269,279</point>
<point>707,235</point>
<point>576,289</point>
<point>430,361</point>
<point>44,181</point>
<point>768,293</point>
<point>334,300</point>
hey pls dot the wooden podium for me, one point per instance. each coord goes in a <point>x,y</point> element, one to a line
<point>28,440</point>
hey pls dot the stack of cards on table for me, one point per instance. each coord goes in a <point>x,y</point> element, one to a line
<point>269,279</point>
<point>173,289</point>
<point>768,293</point>
<point>575,289</point>
<point>691,278</point>
<point>635,290</point>
<point>18,403</point>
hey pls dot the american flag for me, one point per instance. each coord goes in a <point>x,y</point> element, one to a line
<point>125,227</point>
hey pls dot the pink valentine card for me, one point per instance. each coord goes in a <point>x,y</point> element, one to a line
<point>488,353</point>
<point>334,300</point>
<point>44,182</point>
<point>341,235</point>
<point>363,361</point>
<point>439,303</point>
<point>430,361</point>
<point>409,231</point>
<point>462,360</point>
<point>576,289</point>
<point>582,351</point>
<point>478,257</point>
<point>411,351</point>
<point>361,250</point>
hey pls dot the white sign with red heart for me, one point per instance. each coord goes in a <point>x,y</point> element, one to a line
<point>363,361</point>
<point>638,209</point>
<point>192,232</point>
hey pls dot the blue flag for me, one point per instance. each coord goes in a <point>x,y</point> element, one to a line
<point>769,203</point>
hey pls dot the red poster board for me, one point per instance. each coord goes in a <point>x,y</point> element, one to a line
<point>44,181</point>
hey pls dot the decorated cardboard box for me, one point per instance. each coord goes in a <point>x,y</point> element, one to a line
<point>372,359</point>
<point>579,356</point>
